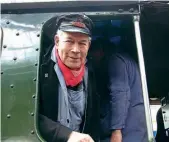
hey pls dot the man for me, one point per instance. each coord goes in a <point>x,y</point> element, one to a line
<point>123,115</point>
<point>68,99</point>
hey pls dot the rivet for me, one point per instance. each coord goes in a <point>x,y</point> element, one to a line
<point>36,64</point>
<point>120,10</point>
<point>12,86</point>
<point>34,79</point>
<point>15,58</point>
<point>4,46</point>
<point>17,34</point>
<point>2,72</point>
<point>32,114</point>
<point>37,49</point>
<point>46,75</point>
<point>38,35</point>
<point>8,116</point>
<point>131,10</point>
<point>32,132</point>
<point>164,112</point>
<point>7,22</point>
<point>33,96</point>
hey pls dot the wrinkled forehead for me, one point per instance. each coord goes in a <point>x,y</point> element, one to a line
<point>73,35</point>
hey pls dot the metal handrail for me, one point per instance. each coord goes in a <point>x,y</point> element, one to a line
<point>136,20</point>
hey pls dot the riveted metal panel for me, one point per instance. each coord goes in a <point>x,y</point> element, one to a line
<point>19,64</point>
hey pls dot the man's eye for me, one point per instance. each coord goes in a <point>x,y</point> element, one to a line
<point>69,41</point>
<point>82,43</point>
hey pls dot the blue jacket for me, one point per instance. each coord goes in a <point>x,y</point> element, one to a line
<point>122,104</point>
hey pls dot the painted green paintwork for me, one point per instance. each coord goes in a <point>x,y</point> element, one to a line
<point>19,62</point>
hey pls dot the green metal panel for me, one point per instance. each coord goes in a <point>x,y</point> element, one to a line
<point>19,62</point>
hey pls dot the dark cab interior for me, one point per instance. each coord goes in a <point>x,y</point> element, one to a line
<point>116,33</point>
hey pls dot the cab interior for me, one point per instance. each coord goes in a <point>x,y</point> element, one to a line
<point>117,33</point>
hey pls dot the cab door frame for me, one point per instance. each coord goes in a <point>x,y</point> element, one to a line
<point>136,20</point>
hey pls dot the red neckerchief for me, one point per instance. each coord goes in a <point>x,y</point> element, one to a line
<point>72,77</point>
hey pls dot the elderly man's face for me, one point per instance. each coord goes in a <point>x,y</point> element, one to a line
<point>72,48</point>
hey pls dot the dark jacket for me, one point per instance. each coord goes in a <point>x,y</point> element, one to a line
<point>123,107</point>
<point>50,129</point>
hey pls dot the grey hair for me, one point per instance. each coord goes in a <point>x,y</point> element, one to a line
<point>60,32</point>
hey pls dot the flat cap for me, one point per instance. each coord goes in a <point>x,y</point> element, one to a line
<point>75,23</point>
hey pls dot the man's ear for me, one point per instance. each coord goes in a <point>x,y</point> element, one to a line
<point>56,39</point>
<point>90,43</point>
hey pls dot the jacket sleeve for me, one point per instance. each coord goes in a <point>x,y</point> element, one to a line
<point>53,131</point>
<point>119,92</point>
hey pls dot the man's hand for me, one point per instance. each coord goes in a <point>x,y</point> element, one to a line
<point>79,137</point>
<point>116,136</point>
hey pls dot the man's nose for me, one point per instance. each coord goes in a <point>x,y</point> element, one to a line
<point>76,48</point>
